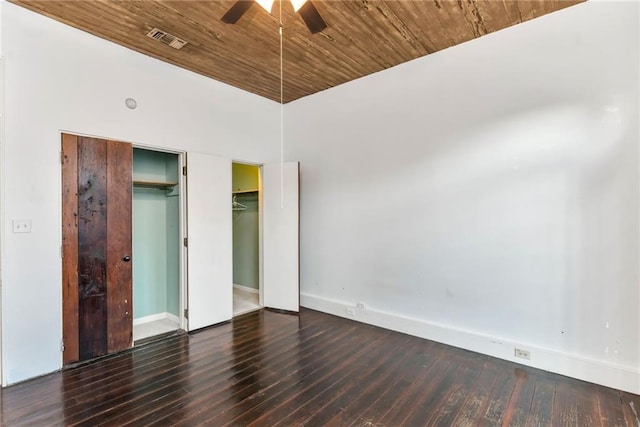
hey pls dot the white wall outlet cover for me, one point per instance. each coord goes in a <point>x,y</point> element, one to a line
<point>22,226</point>
<point>521,353</point>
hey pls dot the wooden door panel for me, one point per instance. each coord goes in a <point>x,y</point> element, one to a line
<point>70,248</point>
<point>92,247</point>
<point>96,215</point>
<point>92,338</point>
<point>119,272</point>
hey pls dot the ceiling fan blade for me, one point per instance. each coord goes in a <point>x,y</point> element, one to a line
<point>236,11</point>
<point>312,18</point>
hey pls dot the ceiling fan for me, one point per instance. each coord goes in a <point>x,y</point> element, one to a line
<point>305,8</point>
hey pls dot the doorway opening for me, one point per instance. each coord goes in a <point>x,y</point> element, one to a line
<point>245,205</point>
<point>157,302</point>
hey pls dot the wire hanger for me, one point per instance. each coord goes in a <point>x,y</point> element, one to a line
<point>237,206</point>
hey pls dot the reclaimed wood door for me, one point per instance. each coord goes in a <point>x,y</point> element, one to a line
<point>96,250</point>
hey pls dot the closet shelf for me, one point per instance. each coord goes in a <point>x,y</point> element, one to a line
<point>154,184</point>
<point>244,191</point>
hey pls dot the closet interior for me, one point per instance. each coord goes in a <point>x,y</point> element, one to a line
<point>156,243</point>
<point>245,205</point>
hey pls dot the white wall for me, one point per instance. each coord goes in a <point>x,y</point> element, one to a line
<point>59,78</point>
<point>487,195</point>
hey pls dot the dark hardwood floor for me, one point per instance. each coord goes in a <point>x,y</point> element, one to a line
<point>267,369</point>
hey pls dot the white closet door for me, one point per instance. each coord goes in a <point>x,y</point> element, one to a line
<point>210,242</point>
<point>280,225</point>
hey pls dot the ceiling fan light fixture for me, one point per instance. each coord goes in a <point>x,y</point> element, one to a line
<point>297,4</point>
<point>266,4</point>
<point>305,9</point>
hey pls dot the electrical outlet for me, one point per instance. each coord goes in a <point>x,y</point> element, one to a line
<point>523,354</point>
<point>351,312</point>
<point>21,226</point>
<point>361,306</point>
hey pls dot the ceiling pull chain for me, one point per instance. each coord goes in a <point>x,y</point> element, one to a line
<point>281,117</point>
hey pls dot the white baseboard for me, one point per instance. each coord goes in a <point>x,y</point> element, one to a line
<point>246,288</point>
<point>154,317</point>
<point>591,370</point>
<point>173,318</point>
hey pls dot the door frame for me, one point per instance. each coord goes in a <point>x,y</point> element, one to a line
<point>258,165</point>
<point>182,163</point>
<point>182,219</point>
<point>261,211</point>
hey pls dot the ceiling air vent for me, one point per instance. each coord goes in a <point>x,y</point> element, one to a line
<point>166,38</point>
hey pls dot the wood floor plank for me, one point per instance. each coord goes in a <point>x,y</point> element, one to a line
<point>586,405</point>
<point>440,406</point>
<point>426,387</point>
<point>249,383</point>
<point>244,377</point>
<point>387,396</point>
<point>499,396</point>
<point>609,407</point>
<point>349,396</point>
<point>565,405</point>
<point>274,369</point>
<point>630,408</point>
<point>542,401</point>
<point>163,382</point>
<point>467,374</point>
<point>519,405</point>
<point>306,371</point>
<point>477,398</point>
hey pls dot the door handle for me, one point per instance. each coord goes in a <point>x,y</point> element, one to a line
<point>126,258</point>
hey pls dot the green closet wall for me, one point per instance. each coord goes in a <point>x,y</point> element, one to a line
<point>156,235</point>
<point>244,177</point>
<point>245,226</point>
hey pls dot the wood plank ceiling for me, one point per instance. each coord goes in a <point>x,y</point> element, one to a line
<point>363,36</point>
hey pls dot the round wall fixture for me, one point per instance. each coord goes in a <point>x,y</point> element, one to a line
<point>131,103</point>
